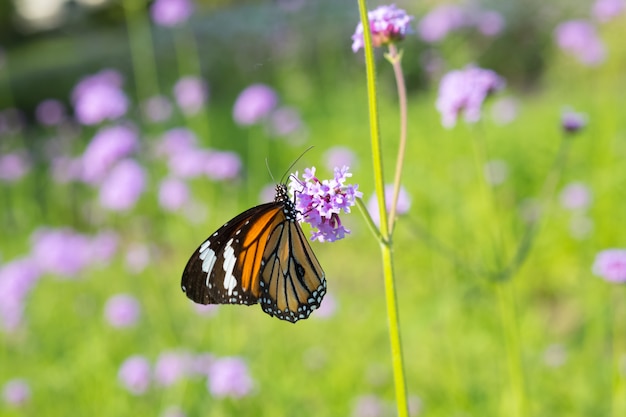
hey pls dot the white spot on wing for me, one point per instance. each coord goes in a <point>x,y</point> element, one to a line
<point>229,264</point>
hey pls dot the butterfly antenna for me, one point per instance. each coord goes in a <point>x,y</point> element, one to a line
<point>295,162</point>
<point>267,164</point>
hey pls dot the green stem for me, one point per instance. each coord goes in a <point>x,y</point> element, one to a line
<point>618,400</point>
<point>384,237</point>
<point>396,61</point>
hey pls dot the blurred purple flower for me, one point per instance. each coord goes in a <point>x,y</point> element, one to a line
<point>610,264</point>
<point>66,169</point>
<point>171,12</point>
<point>229,377</point>
<point>575,196</point>
<point>206,310</point>
<point>222,165</point>
<point>189,163</point>
<point>62,252</point>
<point>176,140</point>
<point>323,201</point>
<point>170,367</point>
<point>338,156</point>
<point>328,307</point>
<point>13,166</point>
<point>254,104</point>
<point>99,97</point>
<point>463,91</point>
<point>173,194</point>
<point>368,406</point>
<point>191,93</point>
<point>202,362</point>
<point>489,22</point>
<point>16,392</point>
<point>173,411</point>
<point>17,278</point>
<point>579,38</point>
<point>107,147</point>
<point>137,258</point>
<point>285,121</point>
<point>572,121</point>
<point>157,109</point>
<point>388,25</point>
<point>121,189</point>
<point>403,205</point>
<point>122,310</point>
<point>442,20</point>
<point>606,10</point>
<point>103,247</point>
<point>504,110</point>
<point>50,112</point>
<point>134,374</point>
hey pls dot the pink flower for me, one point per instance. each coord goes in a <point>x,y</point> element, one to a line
<point>50,112</point>
<point>579,38</point>
<point>108,146</point>
<point>254,104</point>
<point>121,189</point>
<point>606,10</point>
<point>13,166</point>
<point>191,93</point>
<point>229,377</point>
<point>403,206</point>
<point>171,13</point>
<point>134,374</point>
<point>610,264</point>
<point>171,366</point>
<point>173,194</point>
<point>16,392</point>
<point>99,97</point>
<point>388,25</point>
<point>442,20</point>
<point>122,310</point>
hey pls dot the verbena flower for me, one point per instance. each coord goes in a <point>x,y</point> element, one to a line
<point>229,377</point>
<point>403,205</point>
<point>122,310</point>
<point>440,21</point>
<point>50,112</point>
<point>170,367</point>
<point>463,91</point>
<point>13,166</point>
<point>191,93</point>
<point>62,252</point>
<point>171,12</point>
<point>580,38</point>
<point>605,10</point>
<point>388,25</point>
<point>134,374</point>
<point>254,104</point>
<point>319,203</point>
<point>176,140</point>
<point>173,194</point>
<point>99,97</point>
<point>575,196</point>
<point>16,392</point>
<point>121,189</point>
<point>222,165</point>
<point>17,278</point>
<point>610,264</point>
<point>108,146</point>
<point>572,121</point>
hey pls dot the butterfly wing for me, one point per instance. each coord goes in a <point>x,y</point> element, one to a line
<point>224,269</point>
<point>292,280</point>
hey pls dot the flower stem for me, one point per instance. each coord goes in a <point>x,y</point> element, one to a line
<point>618,401</point>
<point>385,237</point>
<point>396,61</point>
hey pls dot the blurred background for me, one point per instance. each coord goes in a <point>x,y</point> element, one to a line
<point>130,130</point>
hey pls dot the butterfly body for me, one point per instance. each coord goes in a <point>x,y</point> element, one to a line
<point>260,256</point>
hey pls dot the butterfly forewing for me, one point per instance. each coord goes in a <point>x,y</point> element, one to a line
<point>260,255</point>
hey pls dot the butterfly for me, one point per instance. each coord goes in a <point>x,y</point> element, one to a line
<point>260,256</point>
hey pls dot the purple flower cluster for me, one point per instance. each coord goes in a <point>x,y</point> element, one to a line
<point>171,13</point>
<point>17,278</point>
<point>447,18</point>
<point>319,203</point>
<point>66,253</point>
<point>254,104</point>
<point>226,377</point>
<point>123,186</point>
<point>580,38</point>
<point>99,97</point>
<point>50,112</point>
<point>191,93</point>
<point>605,10</point>
<point>572,121</point>
<point>16,392</point>
<point>388,24</point>
<point>463,91</point>
<point>108,146</point>
<point>122,310</point>
<point>610,264</point>
<point>13,166</point>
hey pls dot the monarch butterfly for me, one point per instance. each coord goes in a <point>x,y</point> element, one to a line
<point>260,256</point>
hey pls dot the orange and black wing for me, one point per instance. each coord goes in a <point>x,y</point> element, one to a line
<point>225,268</point>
